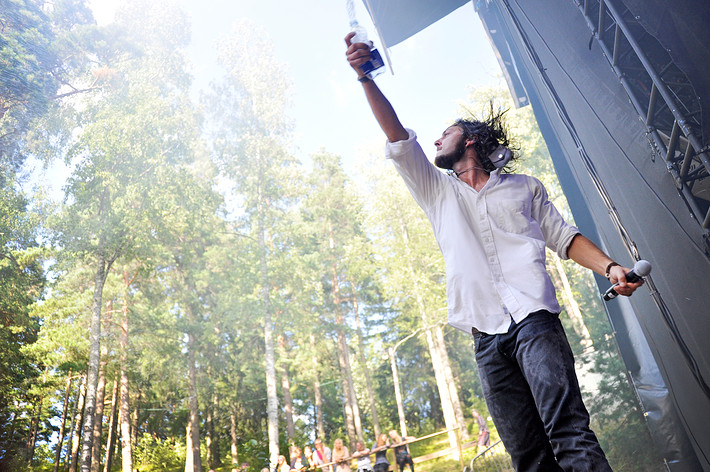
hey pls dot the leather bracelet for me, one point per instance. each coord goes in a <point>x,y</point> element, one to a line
<point>364,79</point>
<point>608,268</point>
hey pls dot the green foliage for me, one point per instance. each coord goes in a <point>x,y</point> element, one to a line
<point>22,282</point>
<point>26,65</point>
<point>35,38</point>
<point>159,454</point>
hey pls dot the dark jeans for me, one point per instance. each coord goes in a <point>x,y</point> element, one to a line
<point>534,399</point>
<point>404,458</point>
<point>382,467</point>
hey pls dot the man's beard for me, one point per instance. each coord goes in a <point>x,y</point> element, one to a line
<point>447,161</point>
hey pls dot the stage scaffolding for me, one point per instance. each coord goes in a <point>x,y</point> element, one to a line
<point>664,99</point>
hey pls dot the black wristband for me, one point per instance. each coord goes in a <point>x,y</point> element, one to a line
<point>364,79</point>
<point>608,268</point>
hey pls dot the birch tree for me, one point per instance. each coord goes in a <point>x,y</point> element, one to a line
<point>250,131</point>
<point>416,278</point>
<point>131,130</point>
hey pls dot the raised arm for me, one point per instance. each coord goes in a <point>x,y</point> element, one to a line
<point>357,55</point>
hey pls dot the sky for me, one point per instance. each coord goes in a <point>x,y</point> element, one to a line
<point>433,69</point>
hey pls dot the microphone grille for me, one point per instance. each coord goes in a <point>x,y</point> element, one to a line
<point>642,268</point>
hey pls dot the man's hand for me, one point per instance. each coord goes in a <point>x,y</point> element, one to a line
<point>618,274</point>
<point>357,54</point>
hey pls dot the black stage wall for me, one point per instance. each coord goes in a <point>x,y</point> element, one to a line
<point>602,152</point>
<point>620,190</point>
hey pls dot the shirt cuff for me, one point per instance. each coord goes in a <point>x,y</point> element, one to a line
<point>400,148</point>
<point>566,242</point>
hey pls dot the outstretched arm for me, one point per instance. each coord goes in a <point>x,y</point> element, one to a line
<point>585,253</point>
<point>357,55</point>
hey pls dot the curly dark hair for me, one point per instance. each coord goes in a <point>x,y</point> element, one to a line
<point>489,133</point>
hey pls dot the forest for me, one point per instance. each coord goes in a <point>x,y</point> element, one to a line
<point>201,298</point>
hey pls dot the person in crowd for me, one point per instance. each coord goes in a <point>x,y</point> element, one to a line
<point>401,451</point>
<point>282,465</point>
<point>323,454</point>
<point>492,227</point>
<point>362,455</point>
<point>310,458</point>
<point>484,436</point>
<point>379,448</point>
<point>298,462</point>
<point>341,456</point>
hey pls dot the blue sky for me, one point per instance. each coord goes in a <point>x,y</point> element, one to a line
<point>432,69</point>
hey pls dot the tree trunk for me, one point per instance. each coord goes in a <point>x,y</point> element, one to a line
<point>98,419</point>
<point>320,427</point>
<point>234,439</point>
<point>111,441</point>
<point>70,431</point>
<point>451,382</point>
<point>216,459</point>
<point>320,424</point>
<point>209,435</point>
<point>352,411</point>
<point>193,461</point>
<point>124,408</point>
<point>434,352</point>
<point>272,402</point>
<point>366,369</point>
<point>212,437</point>
<point>354,401</point>
<point>443,387</point>
<point>286,388</point>
<point>76,434</point>
<point>134,420</point>
<point>344,362</point>
<point>571,305</point>
<point>34,426</point>
<point>92,378</point>
<point>34,429</point>
<point>60,439</point>
<point>398,393</point>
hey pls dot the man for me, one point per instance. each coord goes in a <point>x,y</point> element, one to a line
<point>484,436</point>
<point>323,455</point>
<point>492,229</point>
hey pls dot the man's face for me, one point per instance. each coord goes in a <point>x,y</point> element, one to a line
<point>450,148</point>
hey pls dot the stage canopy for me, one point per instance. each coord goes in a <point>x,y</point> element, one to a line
<point>397,20</point>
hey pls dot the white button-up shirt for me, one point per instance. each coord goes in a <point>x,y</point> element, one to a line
<point>493,240</point>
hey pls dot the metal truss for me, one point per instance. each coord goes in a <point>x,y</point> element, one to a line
<point>663,97</point>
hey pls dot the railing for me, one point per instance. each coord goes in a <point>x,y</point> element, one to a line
<point>393,467</point>
<point>493,459</point>
<point>662,96</point>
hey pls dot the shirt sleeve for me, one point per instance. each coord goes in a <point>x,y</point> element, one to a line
<point>557,232</point>
<point>421,177</point>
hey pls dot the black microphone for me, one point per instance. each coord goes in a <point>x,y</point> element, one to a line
<point>641,269</point>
